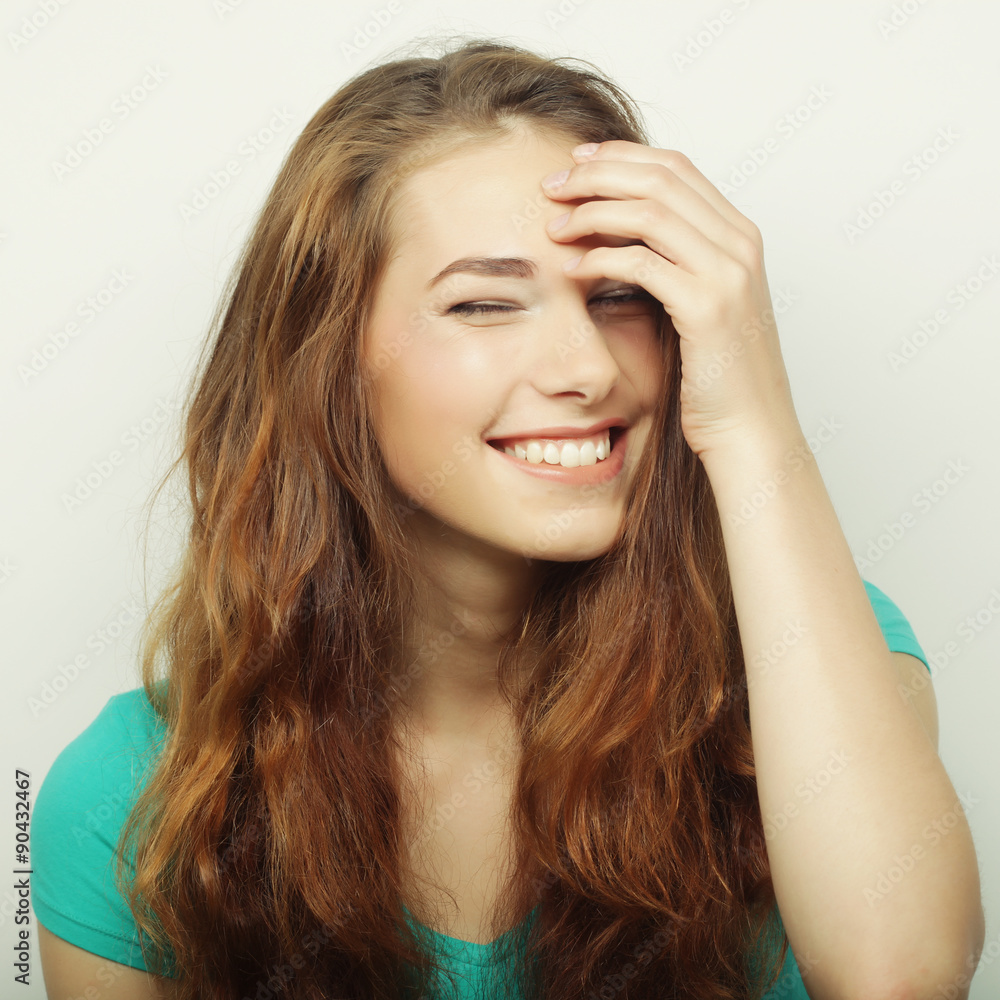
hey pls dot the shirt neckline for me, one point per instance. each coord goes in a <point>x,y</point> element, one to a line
<point>475,946</point>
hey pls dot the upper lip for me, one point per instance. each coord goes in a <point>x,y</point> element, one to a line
<point>565,430</point>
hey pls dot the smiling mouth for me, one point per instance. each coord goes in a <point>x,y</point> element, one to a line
<point>604,471</point>
<point>614,433</point>
<point>505,446</point>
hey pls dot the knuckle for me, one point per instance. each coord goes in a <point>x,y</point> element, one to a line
<point>652,213</point>
<point>675,159</point>
<point>750,251</point>
<point>751,231</point>
<point>643,263</point>
<point>737,274</point>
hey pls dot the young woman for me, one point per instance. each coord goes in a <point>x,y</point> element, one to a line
<point>516,647</point>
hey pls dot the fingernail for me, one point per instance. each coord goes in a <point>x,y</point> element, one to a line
<point>587,149</point>
<point>557,223</point>
<point>572,262</point>
<point>556,179</point>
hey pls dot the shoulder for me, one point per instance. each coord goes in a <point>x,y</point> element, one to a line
<point>103,765</point>
<point>76,822</point>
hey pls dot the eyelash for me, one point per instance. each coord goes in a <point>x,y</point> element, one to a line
<point>469,308</point>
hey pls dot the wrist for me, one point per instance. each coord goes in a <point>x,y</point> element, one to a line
<point>753,451</point>
<point>747,476</point>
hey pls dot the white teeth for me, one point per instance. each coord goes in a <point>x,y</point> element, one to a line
<point>569,457</point>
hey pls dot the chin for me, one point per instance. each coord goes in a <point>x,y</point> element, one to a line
<point>566,548</point>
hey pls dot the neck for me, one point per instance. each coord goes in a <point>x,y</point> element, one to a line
<point>468,598</point>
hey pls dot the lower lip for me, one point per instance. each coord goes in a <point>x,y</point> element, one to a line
<point>602,472</point>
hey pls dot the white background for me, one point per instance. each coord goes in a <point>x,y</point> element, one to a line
<point>217,76</point>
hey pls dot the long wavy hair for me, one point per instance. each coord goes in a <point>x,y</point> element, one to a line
<point>267,849</point>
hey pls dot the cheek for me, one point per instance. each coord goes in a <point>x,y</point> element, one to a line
<point>429,415</point>
<point>447,383</point>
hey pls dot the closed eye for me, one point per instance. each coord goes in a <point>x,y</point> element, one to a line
<point>623,295</point>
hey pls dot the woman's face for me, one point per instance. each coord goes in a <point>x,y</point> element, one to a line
<point>447,380</point>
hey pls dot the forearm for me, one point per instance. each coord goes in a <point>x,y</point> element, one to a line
<point>848,779</point>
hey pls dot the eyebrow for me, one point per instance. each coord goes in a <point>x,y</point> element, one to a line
<point>490,267</point>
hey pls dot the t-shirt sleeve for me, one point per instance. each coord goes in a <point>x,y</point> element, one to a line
<point>78,816</point>
<point>898,633</point>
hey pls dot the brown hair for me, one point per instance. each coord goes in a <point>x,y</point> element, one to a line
<point>268,838</point>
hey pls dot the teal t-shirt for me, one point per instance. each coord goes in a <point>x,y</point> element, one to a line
<point>93,783</point>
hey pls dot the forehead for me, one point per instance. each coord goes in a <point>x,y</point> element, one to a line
<point>485,200</point>
<point>491,187</point>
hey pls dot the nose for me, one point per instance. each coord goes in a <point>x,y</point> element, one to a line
<point>573,354</point>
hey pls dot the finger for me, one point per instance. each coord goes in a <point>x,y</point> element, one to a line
<point>653,223</point>
<point>618,183</point>
<point>678,164</point>
<point>639,265</point>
